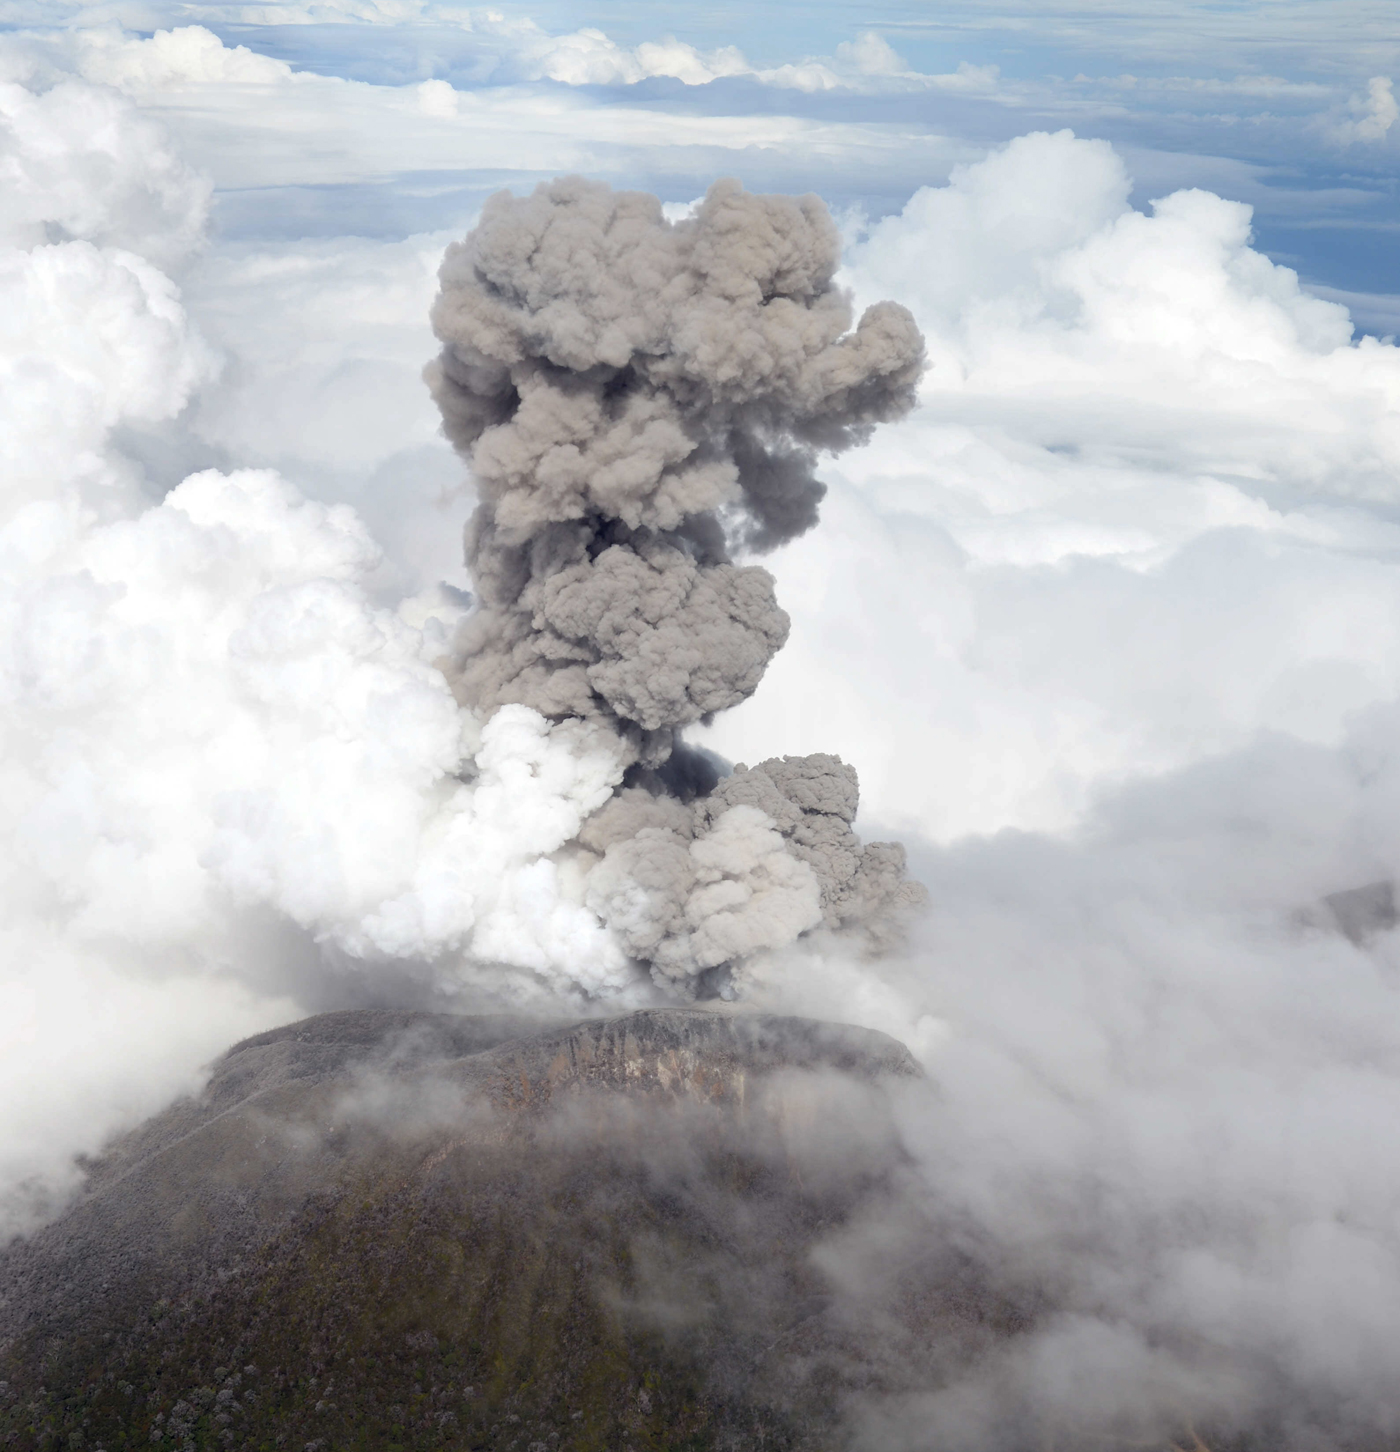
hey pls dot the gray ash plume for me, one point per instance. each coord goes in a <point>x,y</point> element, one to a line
<point>787,822</point>
<point>640,400</point>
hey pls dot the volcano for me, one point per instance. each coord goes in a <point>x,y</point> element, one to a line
<point>373,1229</point>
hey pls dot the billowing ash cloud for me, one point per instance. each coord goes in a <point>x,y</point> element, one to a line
<point>668,878</point>
<point>638,397</point>
<point>623,384</point>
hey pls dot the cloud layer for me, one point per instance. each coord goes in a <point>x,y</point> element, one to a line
<point>372,112</point>
<point>1141,513</point>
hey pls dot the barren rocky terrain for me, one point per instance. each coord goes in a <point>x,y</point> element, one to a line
<point>676,1229</point>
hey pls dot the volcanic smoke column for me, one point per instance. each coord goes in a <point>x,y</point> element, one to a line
<point>639,398</point>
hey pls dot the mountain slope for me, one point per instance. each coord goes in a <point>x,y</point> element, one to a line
<point>381,1230</point>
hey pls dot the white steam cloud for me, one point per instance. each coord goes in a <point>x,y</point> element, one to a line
<point>1162,1111</point>
<point>206,716</point>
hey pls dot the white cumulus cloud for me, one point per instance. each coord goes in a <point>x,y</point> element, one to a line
<point>1141,513</point>
<point>227,767</point>
<point>1372,115</point>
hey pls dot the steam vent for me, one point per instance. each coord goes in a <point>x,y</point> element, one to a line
<point>390,1230</point>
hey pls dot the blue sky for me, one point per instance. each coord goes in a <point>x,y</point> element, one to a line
<point>1268,102</point>
<point>1198,94</point>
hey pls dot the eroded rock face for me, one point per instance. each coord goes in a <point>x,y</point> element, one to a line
<point>393,1230</point>
<point>690,1053</point>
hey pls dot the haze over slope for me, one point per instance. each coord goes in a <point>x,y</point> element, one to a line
<point>382,1228</point>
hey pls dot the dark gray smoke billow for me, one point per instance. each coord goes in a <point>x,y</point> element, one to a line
<point>640,399</point>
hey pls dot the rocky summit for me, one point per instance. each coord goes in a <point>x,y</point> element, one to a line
<point>676,1229</point>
